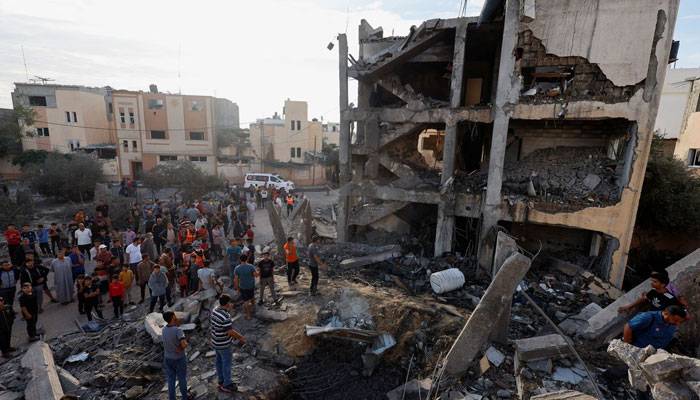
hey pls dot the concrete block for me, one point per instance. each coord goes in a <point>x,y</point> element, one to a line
<point>564,267</point>
<point>69,383</point>
<point>154,324</point>
<point>44,384</point>
<point>671,390</point>
<point>541,365</point>
<point>270,315</point>
<point>661,366</point>
<point>482,321</point>
<point>591,181</point>
<point>563,395</point>
<point>495,357</point>
<point>695,387</point>
<point>542,347</point>
<point>134,392</point>
<point>608,323</point>
<point>628,353</point>
<point>579,322</point>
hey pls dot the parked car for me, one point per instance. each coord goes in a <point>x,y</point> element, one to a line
<point>270,180</point>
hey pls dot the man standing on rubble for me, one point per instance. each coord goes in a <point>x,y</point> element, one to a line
<point>175,357</point>
<point>244,281</point>
<point>222,335</point>
<point>314,262</point>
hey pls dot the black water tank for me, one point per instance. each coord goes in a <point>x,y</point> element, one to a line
<point>674,50</point>
<point>490,10</point>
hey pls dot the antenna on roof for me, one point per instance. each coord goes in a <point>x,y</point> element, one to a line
<point>25,64</point>
<point>179,82</point>
<point>43,80</point>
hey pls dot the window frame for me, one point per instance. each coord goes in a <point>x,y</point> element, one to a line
<point>298,125</point>
<point>198,159</point>
<point>292,126</point>
<point>158,104</point>
<point>122,117</point>
<point>134,144</point>
<point>75,117</point>
<point>189,136</point>
<point>41,132</point>
<point>196,105</point>
<point>32,100</point>
<point>293,153</point>
<point>132,117</point>
<point>68,117</point>
<point>298,152</point>
<point>693,160</point>
<point>169,158</point>
<point>150,135</point>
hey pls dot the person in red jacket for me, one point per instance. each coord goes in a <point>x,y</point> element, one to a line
<point>13,238</point>
<point>116,294</point>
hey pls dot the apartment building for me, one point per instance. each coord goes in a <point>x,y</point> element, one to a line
<point>539,116</point>
<point>331,133</point>
<point>286,144</point>
<point>154,128</point>
<point>678,120</point>
<point>68,117</point>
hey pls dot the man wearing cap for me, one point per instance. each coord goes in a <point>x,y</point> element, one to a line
<point>314,262</point>
<point>104,255</point>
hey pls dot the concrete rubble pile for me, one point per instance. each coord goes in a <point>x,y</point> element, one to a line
<point>562,175</point>
<point>668,376</point>
<point>124,360</point>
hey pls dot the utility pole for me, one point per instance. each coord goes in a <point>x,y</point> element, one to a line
<point>262,134</point>
<point>313,165</point>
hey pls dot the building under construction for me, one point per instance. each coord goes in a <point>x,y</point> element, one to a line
<point>536,117</point>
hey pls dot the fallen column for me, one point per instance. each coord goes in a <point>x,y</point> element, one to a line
<point>277,227</point>
<point>45,384</point>
<point>483,320</point>
<point>357,262</point>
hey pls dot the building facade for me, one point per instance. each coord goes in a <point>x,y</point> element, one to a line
<point>331,133</point>
<point>154,128</point>
<point>548,113</point>
<point>68,117</point>
<point>677,119</point>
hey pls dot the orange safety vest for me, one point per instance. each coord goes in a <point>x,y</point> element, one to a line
<point>290,200</point>
<point>190,236</point>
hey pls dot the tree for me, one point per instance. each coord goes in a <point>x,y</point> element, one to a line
<point>184,177</point>
<point>330,150</point>
<point>13,127</point>
<point>66,176</point>
<point>236,137</point>
<point>30,158</point>
<point>670,198</point>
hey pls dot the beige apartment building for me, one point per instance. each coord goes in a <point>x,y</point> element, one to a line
<point>68,117</point>
<point>286,144</point>
<point>154,128</point>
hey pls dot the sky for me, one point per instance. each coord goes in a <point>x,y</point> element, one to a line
<point>257,54</point>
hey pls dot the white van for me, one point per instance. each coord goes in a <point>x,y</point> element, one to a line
<point>270,180</point>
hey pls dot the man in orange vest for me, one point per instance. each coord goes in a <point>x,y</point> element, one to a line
<point>290,203</point>
<point>290,254</point>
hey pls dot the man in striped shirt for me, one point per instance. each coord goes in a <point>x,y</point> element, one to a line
<point>222,335</point>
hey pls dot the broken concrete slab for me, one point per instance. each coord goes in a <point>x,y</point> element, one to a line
<point>542,347</point>
<point>476,331</point>
<point>134,392</point>
<point>9,395</point>
<point>358,262</point>
<point>412,389</point>
<point>563,395</point>
<point>609,323</point>
<point>628,353</point>
<point>567,375</point>
<point>591,181</point>
<point>541,365</point>
<point>69,383</point>
<point>270,315</point>
<point>494,356</point>
<point>672,390</point>
<point>154,324</point>
<point>45,384</point>
<point>660,366</point>
<point>579,322</point>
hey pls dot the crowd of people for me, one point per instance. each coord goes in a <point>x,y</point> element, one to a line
<point>167,247</point>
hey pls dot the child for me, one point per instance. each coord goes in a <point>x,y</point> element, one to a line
<point>126,276</point>
<point>658,296</point>
<point>182,281</point>
<point>249,232</point>
<point>79,289</point>
<point>117,295</point>
<point>30,309</point>
<point>91,294</point>
<point>205,248</point>
<point>64,234</point>
<point>7,317</point>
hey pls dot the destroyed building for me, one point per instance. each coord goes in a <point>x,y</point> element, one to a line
<point>536,117</point>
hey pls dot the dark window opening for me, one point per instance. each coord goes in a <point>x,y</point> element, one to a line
<point>37,101</point>
<point>196,135</point>
<point>157,134</point>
